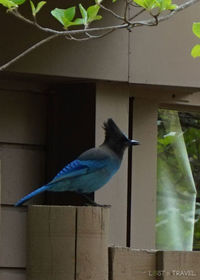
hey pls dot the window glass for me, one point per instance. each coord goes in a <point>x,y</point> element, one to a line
<point>178,177</point>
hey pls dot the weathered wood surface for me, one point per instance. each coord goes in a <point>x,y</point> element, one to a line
<point>131,264</point>
<point>66,242</point>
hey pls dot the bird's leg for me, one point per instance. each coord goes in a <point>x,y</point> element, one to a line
<point>90,202</point>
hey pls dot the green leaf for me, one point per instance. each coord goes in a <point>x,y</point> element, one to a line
<point>92,12</point>
<point>65,17</point>
<point>35,10</point>
<point>32,8</point>
<point>195,52</point>
<point>164,5</point>
<point>18,2</point>
<point>140,3</point>
<point>173,7</point>
<point>39,6</point>
<point>8,4</point>
<point>161,4</point>
<point>147,4</point>
<point>83,14</point>
<point>196,29</point>
<point>77,21</point>
<point>98,17</point>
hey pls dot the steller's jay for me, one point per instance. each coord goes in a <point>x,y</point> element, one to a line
<point>93,168</point>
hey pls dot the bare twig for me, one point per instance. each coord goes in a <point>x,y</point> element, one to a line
<point>6,65</point>
<point>90,37</point>
<point>111,12</point>
<point>151,22</point>
<point>136,15</point>
<point>71,34</point>
<point>67,32</point>
<point>126,11</point>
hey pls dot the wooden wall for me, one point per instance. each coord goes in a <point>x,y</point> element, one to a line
<point>43,126</point>
<point>22,154</point>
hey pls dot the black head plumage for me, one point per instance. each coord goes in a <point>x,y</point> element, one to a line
<point>112,130</point>
<point>116,139</point>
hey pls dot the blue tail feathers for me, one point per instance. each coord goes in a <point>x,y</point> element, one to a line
<point>30,195</point>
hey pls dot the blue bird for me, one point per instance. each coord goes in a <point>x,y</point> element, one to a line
<point>93,168</point>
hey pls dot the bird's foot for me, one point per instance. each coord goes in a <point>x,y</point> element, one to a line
<point>90,202</point>
<point>94,204</point>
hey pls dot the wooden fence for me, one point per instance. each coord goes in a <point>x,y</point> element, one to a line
<point>66,242</point>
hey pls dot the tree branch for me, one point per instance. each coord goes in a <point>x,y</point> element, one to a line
<point>132,24</point>
<point>89,36</point>
<point>111,12</point>
<point>137,14</point>
<point>71,34</point>
<point>6,65</point>
<point>149,22</point>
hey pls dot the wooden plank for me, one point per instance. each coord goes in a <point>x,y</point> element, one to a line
<point>144,176</point>
<point>112,101</point>
<point>92,242</point>
<point>22,118</point>
<point>23,169</point>
<point>13,237</point>
<point>178,265</point>
<point>131,264</point>
<point>66,242</point>
<point>51,243</point>
<point>12,274</point>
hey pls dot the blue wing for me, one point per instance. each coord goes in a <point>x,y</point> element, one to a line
<point>78,168</point>
<point>73,169</point>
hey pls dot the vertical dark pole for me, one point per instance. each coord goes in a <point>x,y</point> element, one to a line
<point>129,183</point>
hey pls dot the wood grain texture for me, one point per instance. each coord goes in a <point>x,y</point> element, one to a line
<point>51,243</point>
<point>13,237</point>
<point>66,242</point>
<point>92,242</point>
<point>130,264</point>
<point>178,265</point>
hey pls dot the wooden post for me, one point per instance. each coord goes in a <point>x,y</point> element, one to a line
<point>174,265</point>
<point>67,243</point>
<point>131,264</point>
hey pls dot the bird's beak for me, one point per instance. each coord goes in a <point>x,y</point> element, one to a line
<point>134,142</point>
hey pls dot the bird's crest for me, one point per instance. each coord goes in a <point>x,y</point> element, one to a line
<point>112,130</point>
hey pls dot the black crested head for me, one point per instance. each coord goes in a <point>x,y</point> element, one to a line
<point>115,139</point>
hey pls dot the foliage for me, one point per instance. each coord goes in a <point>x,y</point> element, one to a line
<point>195,52</point>
<point>70,20</point>
<point>36,9</point>
<point>174,193</point>
<point>162,5</point>
<point>76,20</point>
<point>67,16</point>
